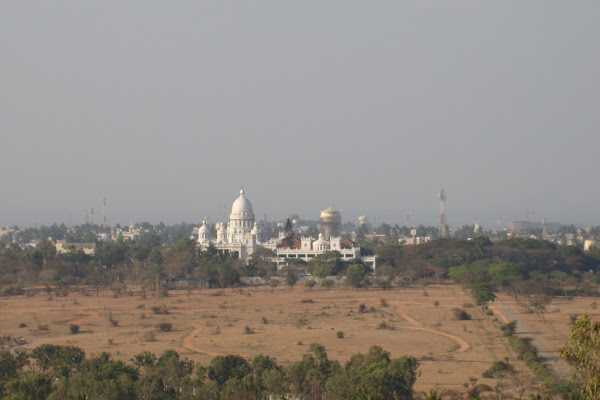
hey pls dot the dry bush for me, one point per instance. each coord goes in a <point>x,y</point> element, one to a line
<point>460,315</point>
<point>165,327</point>
<point>160,309</point>
<point>385,325</point>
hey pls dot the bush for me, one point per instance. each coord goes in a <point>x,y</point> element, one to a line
<point>340,335</point>
<point>13,290</point>
<point>265,320</point>
<point>74,329</point>
<point>460,315</point>
<point>509,329</point>
<point>165,327</point>
<point>22,325</point>
<point>468,305</point>
<point>383,302</point>
<point>489,312</point>
<point>160,310</point>
<point>384,325</point>
<point>248,330</point>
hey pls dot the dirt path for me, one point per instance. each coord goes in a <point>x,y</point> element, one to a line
<point>188,342</point>
<point>559,366</point>
<point>462,345</point>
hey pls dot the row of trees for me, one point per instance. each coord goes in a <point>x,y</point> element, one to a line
<point>63,372</point>
<point>517,266</point>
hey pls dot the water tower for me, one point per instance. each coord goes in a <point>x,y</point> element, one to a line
<point>330,222</point>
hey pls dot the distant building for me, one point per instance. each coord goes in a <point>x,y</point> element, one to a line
<point>414,240</point>
<point>243,236</point>
<point>240,236</point>
<point>64,247</point>
<point>308,248</point>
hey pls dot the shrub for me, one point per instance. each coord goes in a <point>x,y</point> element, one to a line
<point>509,329</point>
<point>13,290</point>
<point>489,312</point>
<point>307,301</point>
<point>436,303</point>
<point>22,325</point>
<point>461,315</point>
<point>165,327</point>
<point>248,330</point>
<point>74,329</point>
<point>362,308</point>
<point>340,335</point>
<point>113,322</point>
<point>384,325</point>
<point>383,303</point>
<point>160,309</point>
<point>327,283</point>
<point>468,305</point>
<point>265,320</point>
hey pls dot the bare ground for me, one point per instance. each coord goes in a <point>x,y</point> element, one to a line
<point>285,323</point>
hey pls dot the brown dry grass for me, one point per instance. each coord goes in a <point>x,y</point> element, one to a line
<point>205,325</point>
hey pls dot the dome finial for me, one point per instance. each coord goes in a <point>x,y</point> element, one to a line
<point>242,191</point>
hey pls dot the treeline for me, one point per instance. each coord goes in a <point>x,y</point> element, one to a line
<point>118,262</point>
<point>517,266</point>
<point>63,372</point>
<point>149,235</point>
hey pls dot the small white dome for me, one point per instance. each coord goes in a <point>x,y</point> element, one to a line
<point>320,244</point>
<point>203,229</point>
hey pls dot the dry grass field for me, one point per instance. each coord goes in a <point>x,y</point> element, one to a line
<point>284,323</point>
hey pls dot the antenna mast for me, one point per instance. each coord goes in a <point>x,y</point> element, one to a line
<point>104,216</point>
<point>442,228</point>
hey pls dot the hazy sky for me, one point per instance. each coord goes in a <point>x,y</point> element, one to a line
<point>168,107</point>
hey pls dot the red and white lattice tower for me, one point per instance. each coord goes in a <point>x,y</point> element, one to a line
<point>442,227</point>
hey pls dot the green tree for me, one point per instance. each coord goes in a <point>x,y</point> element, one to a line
<point>483,293</point>
<point>262,261</point>
<point>310,284</point>
<point>355,274</point>
<point>582,350</point>
<point>539,305</point>
<point>291,278</point>
<point>327,283</point>
<point>28,386</point>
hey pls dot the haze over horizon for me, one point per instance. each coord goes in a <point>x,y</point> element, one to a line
<point>168,108</point>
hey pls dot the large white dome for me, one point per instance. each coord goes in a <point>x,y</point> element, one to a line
<point>242,208</point>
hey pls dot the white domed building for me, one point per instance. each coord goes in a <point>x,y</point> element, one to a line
<point>241,235</point>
